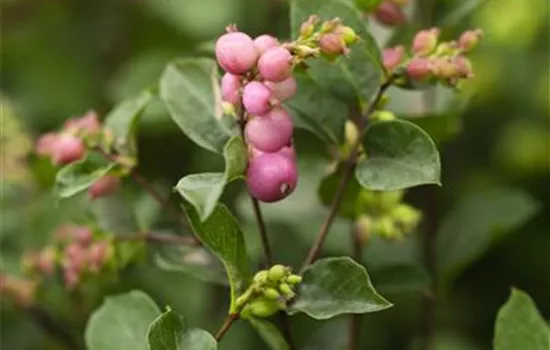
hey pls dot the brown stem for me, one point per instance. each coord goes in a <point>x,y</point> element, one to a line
<point>348,173</point>
<point>230,319</point>
<point>355,319</point>
<point>158,238</point>
<point>263,232</point>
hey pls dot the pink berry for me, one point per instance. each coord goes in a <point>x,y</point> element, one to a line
<point>257,98</point>
<point>104,186</point>
<point>265,42</point>
<point>236,53</point>
<point>389,13</point>
<point>45,145</point>
<point>392,57</point>
<point>68,149</point>
<point>231,88</point>
<point>271,132</point>
<point>275,64</point>
<point>332,44</point>
<point>283,90</point>
<point>271,177</point>
<point>419,68</point>
<point>88,123</point>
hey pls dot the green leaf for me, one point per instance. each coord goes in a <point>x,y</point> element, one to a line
<point>221,234</point>
<point>519,325</point>
<point>367,5</point>
<point>121,322</point>
<point>79,176</point>
<point>123,119</point>
<point>169,332</point>
<point>476,221</point>
<point>316,110</point>
<point>329,186</point>
<point>204,190</point>
<point>399,155</point>
<point>336,286</point>
<point>402,278</point>
<point>269,333</point>
<point>353,78</point>
<point>189,88</point>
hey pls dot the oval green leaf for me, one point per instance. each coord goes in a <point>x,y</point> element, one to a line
<point>336,286</point>
<point>204,190</point>
<point>399,155</point>
<point>121,322</point>
<point>189,89</point>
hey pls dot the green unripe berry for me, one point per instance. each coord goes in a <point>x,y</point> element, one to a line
<point>260,277</point>
<point>294,279</point>
<point>407,216</point>
<point>277,273</point>
<point>389,199</point>
<point>261,307</point>
<point>271,293</point>
<point>348,34</point>
<point>286,290</point>
<point>385,227</point>
<point>382,116</point>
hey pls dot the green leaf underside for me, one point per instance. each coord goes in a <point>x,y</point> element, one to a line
<point>476,221</point>
<point>316,110</point>
<point>519,325</point>
<point>79,176</point>
<point>121,322</point>
<point>399,155</point>
<point>353,78</point>
<point>123,119</point>
<point>221,234</point>
<point>189,89</point>
<point>330,184</point>
<point>169,332</point>
<point>204,190</point>
<point>336,286</point>
<point>269,333</point>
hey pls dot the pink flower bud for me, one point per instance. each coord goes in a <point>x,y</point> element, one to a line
<point>45,145</point>
<point>463,66</point>
<point>257,98</point>
<point>74,257</point>
<point>469,39</point>
<point>392,57</point>
<point>425,41</point>
<point>82,235</point>
<point>68,149</point>
<point>97,255</point>
<point>236,53</point>
<point>88,123</point>
<point>265,42</point>
<point>71,277</point>
<point>445,68</point>
<point>332,44</point>
<point>104,186</point>
<point>419,68</point>
<point>389,13</point>
<point>308,27</point>
<point>271,132</point>
<point>231,88</point>
<point>46,261</point>
<point>283,90</point>
<point>275,64</point>
<point>271,177</point>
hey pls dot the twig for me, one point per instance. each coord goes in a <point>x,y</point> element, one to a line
<point>348,172</point>
<point>231,318</point>
<point>157,238</point>
<point>355,319</point>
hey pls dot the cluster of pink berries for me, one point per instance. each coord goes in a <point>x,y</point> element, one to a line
<point>258,79</point>
<point>390,12</point>
<point>430,60</point>
<point>77,252</point>
<point>70,145</point>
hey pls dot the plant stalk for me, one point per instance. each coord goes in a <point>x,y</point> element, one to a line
<point>229,320</point>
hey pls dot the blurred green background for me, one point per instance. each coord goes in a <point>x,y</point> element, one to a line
<point>61,58</point>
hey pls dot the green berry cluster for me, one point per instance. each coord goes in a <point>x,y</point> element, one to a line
<point>271,290</point>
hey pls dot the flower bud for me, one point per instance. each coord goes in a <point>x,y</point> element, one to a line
<point>425,41</point>
<point>446,49</point>
<point>88,123</point>
<point>445,68</point>
<point>330,26</point>
<point>260,277</point>
<point>389,199</point>
<point>389,13</point>
<point>82,235</point>
<point>271,177</point>
<point>97,255</point>
<point>45,145</point>
<point>347,34</point>
<point>74,257</point>
<point>419,68</point>
<point>392,57</point>
<point>46,261</point>
<point>286,290</point>
<point>407,216</point>
<point>236,53</point>
<point>68,149</point>
<point>271,132</point>
<point>271,293</point>
<point>257,98</point>
<point>294,279</point>
<point>385,227</point>
<point>308,27</point>
<point>275,64</point>
<point>71,277</point>
<point>470,39</point>
<point>332,44</point>
<point>231,88</point>
<point>277,273</point>
<point>265,42</point>
<point>463,67</point>
<point>104,186</point>
<point>283,90</point>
